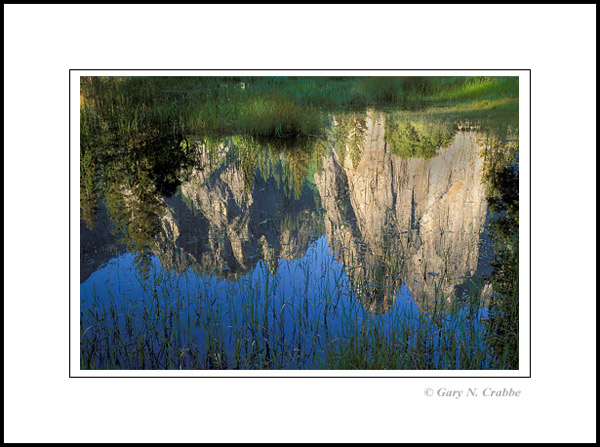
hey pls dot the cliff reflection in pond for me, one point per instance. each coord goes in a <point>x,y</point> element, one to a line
<point>370,245</point>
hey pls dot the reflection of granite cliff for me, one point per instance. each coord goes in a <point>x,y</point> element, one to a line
<point>217,224</point>
<point>431,210</point>
<point>98,244</point>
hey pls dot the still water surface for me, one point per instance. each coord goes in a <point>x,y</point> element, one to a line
<point>303,248</point>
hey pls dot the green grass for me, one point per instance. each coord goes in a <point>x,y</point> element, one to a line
<point>172,326</point>
<point>268,106</point>
<point>456,90</point>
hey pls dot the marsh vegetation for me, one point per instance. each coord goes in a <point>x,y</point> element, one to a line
<point>299,223</point>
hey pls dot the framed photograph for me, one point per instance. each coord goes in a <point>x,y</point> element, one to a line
<point>304,223</point>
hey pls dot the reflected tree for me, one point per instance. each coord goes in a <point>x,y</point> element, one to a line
<point>349,134</point>
<point>502,179</point>
<point>133,160</point>
<point>416,139</point>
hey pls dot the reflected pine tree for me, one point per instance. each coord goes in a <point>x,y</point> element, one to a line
<point>349,133</point>
<point>133,161</point>
<point>91,131</point>
<point>416,138</point>
<point>88,198</point>
<point>149,167</point>
<point>289,161</point>
<point>502,180</point>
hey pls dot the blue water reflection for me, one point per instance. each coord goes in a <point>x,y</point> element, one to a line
<point>303,305</point>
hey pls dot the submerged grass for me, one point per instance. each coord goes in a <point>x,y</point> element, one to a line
<point>319,321</point>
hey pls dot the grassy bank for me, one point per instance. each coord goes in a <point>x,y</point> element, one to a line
<point>275,106</point>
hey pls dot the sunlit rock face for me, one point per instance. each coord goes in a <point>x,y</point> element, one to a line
<point>210,229</point>
<point>220,224</point>
<point>421,219</point>
<point>387,219</point>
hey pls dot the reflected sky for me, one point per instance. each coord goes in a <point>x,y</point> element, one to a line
<point>298,283</point>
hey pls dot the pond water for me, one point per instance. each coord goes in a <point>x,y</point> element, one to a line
<point>339,251</point>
